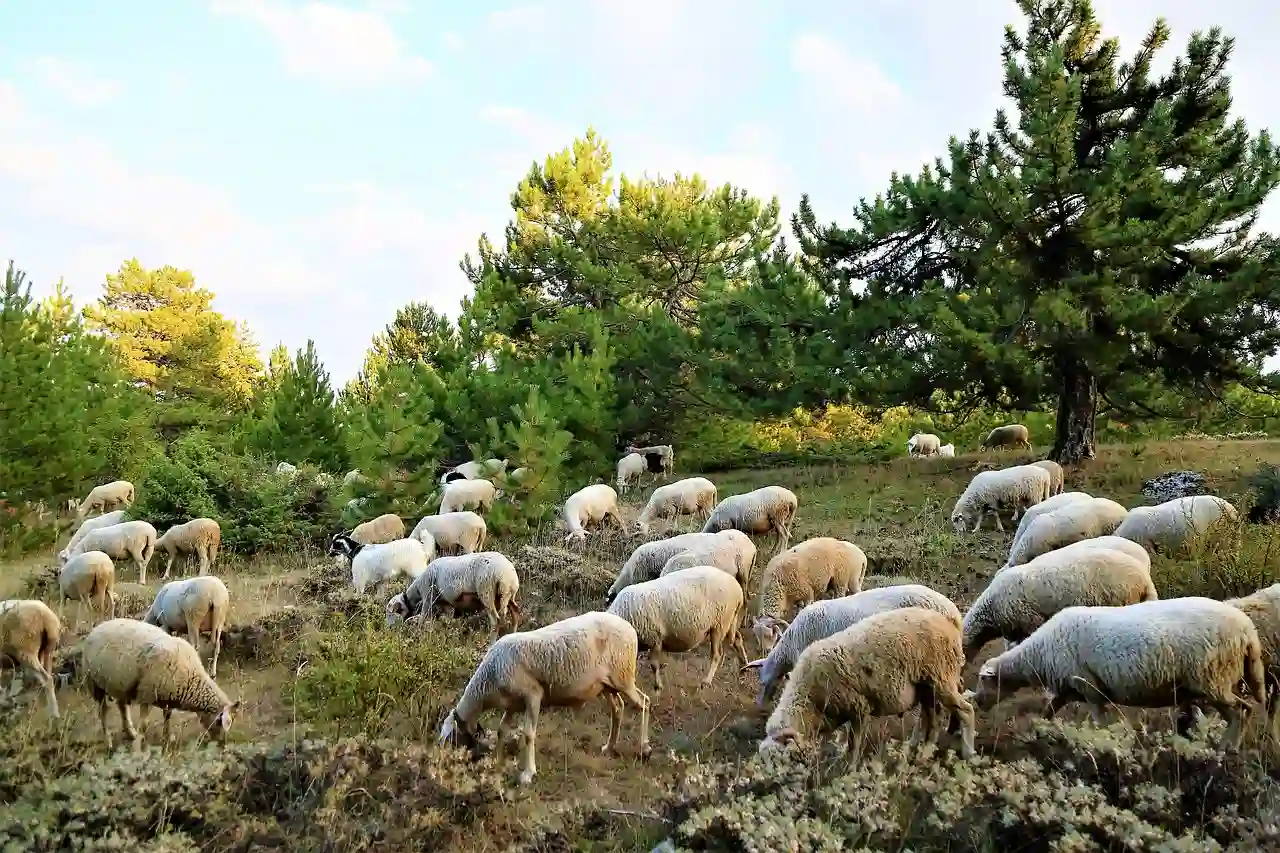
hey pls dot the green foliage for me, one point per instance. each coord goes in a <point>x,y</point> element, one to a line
<point>417,336</point>
<point>300,422</point>
<point>537,441</point>
<point>1266,494</point>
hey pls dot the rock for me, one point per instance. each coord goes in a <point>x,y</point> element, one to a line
<point>1175,484</point>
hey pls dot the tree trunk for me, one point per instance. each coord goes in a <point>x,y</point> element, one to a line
<point>1077,405</point>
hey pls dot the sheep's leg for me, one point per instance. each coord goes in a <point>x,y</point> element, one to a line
<point>926,732</point>
<point>492,612</point>
<point>995,513</point>
<point>166,713</point>
<point>167,566</point>
<point>142,568</point>
<point>217,647</point>
<point>32,663</point>
<point>717,654</point>
<point>531,711</point>
<point>633,695</point>
<point>1273,713</point>
<point>102,716</point>
<point>204,561</point>
<point>655,662</point>
<point>615,723</point>
<point>1234,710</point>
<point>504,732</point>
<point>126,723</point>
<point>953,700</point>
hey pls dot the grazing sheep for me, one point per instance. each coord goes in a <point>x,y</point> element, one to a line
<point>88,526</point>
<point>755,513</point>
<point>883,665</point>
<point>285,469</point>
<point>659,458</point>
<point>566,663</point>
<point>453,532</point>
<point>630,467</point>
<point>690,496</point>
<point>378,531</point>
<point>477,495</point>
<point>1168,526</point>
<point>647,560</point>
<point>1263,609</point>
<point>1010,435</point>
<point>801,574</point>
<point>1022,486</point>
<point>729,551</point>
<point>1179,652</point>
<point>118,493</point>
<point>134,662</point>
<point>947,451</point>
<point>199,537</point>
<point>1077,520</point>
<point>590,505</point>
<point>824,618</point>
<point>1044,506</point>
<point>90,578</point>
<point>486,579</point>
<point>923,444</point>
<point>1056,475</point>
<point>199,605</point>
<point>475,470</point>
<point>129,540</point>
<point>373,564</point>
<point>679,612</point>
<point>351,478</point>
<point>29,636</point>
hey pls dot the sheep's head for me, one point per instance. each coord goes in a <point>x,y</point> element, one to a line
<point>958,521</point>
<point>342,545</point>
<point>768,686</point>
<point>459,732</point>
<point>989,684</point>
<point>578,535</point>
<point>640,528</point>
<point>397,609</point>
<point>767,630</point>
<point>218,723</point>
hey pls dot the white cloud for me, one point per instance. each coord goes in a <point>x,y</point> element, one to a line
<point>453,41</point>
<point>75,81</point>
<point>336,45</point>
<point>517,19</point>
<point>854,83</point>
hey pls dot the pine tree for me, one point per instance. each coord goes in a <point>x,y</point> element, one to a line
<point>417,335</point>
<point>302,419</point>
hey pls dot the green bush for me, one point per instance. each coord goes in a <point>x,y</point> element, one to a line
<point>1266,494</point>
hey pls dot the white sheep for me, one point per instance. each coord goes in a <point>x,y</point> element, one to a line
<point>485,580</point>
<point>89,525</point>
<point>452,532</point>
<point>566,663</point>
<point>660,456</point>
<point>1077,520</point>
<point>923,444</point>
<point>1010,435</point>
<point>947,451</point>
<point>729,551</point>
<point>199,537</point>
<point>691,496</point>
<point>883,665</point>
<point>89,578</point>
<point>1021,486</point>
<point>1168,526</point>
<point>118,493</point>
<point>630,467</point>
<point>286,469</point>
<point>387,527</point>
<point>801,574</point>
<point>352,477</point>
<point>1263,609</point>
<point>823,618</point>
<point>679,612</point>
<point>373,564</point>
<point>195,606</point>
<point>129,540</point>
<point>1044,506</point>
<point>590,505</point>
<point>29,636</point>
<point>1056,476</point>
<point>647,560</point>
<point>755,513</point>
<point>132,662</point>
<point>477,495</point>
<point>1179,652</point>
<point>475,470</point>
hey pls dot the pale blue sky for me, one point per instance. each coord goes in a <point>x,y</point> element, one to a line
<point>319,164</point>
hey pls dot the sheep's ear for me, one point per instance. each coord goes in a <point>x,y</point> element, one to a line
<point>755,664</point>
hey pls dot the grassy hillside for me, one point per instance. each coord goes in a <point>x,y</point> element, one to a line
<point>333,747</point>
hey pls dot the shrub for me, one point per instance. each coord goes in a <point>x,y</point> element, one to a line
<point>1266,494</point>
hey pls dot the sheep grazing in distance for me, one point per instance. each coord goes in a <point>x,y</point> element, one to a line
<point>29,636</point>
<point>1077,520</point>
<point>118,493</point>
<point>460,532</point>
<point>629,469</point>
<point>1170,525</point>
<point>755,513</point>
<point>659,458</point>
<point>590,505</point>
<point>647,560</point>
<point>1179,652</point>
<point>351,478</point>
<point>286,469</point>
<point>195,606</point>
<point>129,540</point>
<point>729,551</point>
<point>1044,506</point>
<point>1010,435</point>
<point>824,618</point>
<point>801,574</point>
<point>89,578</point>
<point>1263,609</point>
<point>1022,487</point>
<point>475,470</point>
<point>373,564</point>
<point>1056,476</point>
<point>883,665</point>
<point>133,662</point>
<point>199,537</point>
<point>947,451</point>
<point>923,444</point>
<point>476,495</point>
<point>385,528</point>
<point>88,526</point>
<point>566,663</point>
<point>694,496</point>
<point>467,582</point>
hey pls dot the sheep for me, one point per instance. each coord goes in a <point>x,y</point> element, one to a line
<point>463,532</point>
<point>477,495</point>
<point>1077,520</point>
<point>487,579</point>
<point>131,540</point>
<point>802,573</point>
<point>629,469</point>
<point>923,444</point>
<point>29,636</point>
<point>351,478</point>
<point>131,662</point>
<point>285,469</point>
<point>647,560</point>
<point>387,527</point>
<point>474,470</point>
<point>566,663</point>
<point>199,537</point>
<point>88,577</point>
<point>1169,525</point>
<point>947,451</point>
<point>1183,652</point>
<point>883,665</point>
<point>771,508</point>
<point>679,612</point>
<point>659,458</point>
<point>89,525</point>
<point>1010,435</point>
<point>590,505</point>
<point>691,496</point>
<point>729,551</point>
<point>823,618</point>
<point>1020,599</point>
<point>324,480</point>
<point>1056,476</point>
<point>373,564</point>
<point>1044,506</point>
<point>1023,486</point>
<point>117,493</point>
<point>1263,609</point>
<point>199,605</point>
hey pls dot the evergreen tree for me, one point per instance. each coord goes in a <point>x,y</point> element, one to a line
<point>302,419</point>
<point>417,335</point>
<point>1100,235</point>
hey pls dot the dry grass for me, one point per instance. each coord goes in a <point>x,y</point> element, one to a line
<point>314,664</point>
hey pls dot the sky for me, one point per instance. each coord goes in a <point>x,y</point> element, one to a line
<point>319,164</point>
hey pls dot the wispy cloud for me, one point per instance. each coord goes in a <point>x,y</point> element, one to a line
<point>75,81</point>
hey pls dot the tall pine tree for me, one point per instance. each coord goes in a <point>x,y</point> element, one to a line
<point>301,423</point>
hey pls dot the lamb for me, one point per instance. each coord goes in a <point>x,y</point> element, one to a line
<point>461,532</point>
<point>1020,599</point>
<point>566,663</point>
<point>923,444</point>
<point>679,612</point>
<point>88,577</point>
<point>690,496</point>
<point>134,662</point>
<point>802,573</point>
<point>1168,526</point>
<point>590,505</point>
<point>647,560</point>
<point>387,527</point>
<point>729,551</point>
<point>630,467</point>
<point>487,579</point>
<point>824,618</point>
<point>29,636</point>
<point>1023,486</point>
<point>476,495</point>
<point>88,526</point>
<point>1044,506</point>
<point>947,451</point>
<point>1010,435</point>
<point>1183,652</point>
<point>118,493</point>
<point>129,540</point>
<point>1263,609</point>
<point>286,469</point>
<point>771,508</point>
<point>1077,520</point>
<point>883,665</point>
<point>373,564</point>
<point>199,537</point>
<point>199,605</point>
<point>1056,475</point>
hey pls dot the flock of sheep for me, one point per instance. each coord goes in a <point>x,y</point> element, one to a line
<point>1075,599</point>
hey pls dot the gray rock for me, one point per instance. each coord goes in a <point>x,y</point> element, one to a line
<point>1175,484</point>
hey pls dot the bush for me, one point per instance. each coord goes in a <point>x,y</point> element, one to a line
<point>1266,495</point>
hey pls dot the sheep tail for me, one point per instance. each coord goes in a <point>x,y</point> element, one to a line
<point>1255,672</point>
